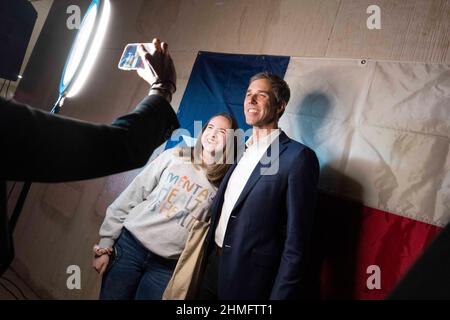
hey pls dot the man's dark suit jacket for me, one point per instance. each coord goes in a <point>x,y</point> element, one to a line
<point>265,249</point>
<point>37,146</point>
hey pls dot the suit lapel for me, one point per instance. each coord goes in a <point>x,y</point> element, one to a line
<point>256,174</point>
<point>218,203</point>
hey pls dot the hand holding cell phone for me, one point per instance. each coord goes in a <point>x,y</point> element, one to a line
<point>158,70</point>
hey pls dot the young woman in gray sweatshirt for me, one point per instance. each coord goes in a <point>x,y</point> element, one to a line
<point>146,227</point>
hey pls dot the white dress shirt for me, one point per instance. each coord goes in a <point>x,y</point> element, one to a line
<point>252,155</point>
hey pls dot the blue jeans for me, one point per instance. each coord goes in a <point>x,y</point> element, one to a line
<point>135,272</point>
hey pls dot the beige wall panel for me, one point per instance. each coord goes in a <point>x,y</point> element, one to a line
<point>428,35</point>
<point>299,28</point>
<point>256,26</point>
<point>63,198</point>
<point>411,30</point>
<point>48,240</point>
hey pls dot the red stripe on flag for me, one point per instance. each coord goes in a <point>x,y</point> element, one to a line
<point>354,244</point>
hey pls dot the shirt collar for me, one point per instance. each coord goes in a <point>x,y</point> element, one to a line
<point>265,141</point>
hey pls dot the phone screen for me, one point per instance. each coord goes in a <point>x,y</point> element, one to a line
<point>130,59</point>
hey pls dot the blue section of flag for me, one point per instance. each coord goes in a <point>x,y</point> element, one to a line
<point>218,83</point>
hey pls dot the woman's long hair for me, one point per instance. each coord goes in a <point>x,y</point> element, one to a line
<point>215,172</point>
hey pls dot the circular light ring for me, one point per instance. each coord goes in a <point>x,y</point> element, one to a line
<point>70,68</point>
<point>78,49</point>
<point>69,86</point>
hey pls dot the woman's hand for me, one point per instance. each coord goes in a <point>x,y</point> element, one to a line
<point>100,263</point>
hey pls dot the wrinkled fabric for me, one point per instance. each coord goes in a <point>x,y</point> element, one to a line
<point>381,131</point>
<point>361,252</point>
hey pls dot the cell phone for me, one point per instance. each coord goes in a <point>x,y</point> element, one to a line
<point>130,59</point>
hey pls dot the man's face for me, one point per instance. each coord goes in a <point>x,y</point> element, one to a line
<point>258,109</point>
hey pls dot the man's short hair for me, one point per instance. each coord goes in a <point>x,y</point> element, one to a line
<point>280,88</point>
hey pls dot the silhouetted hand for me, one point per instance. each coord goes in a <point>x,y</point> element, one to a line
<point>158,70</point>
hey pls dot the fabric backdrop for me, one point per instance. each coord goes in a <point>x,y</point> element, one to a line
<point>381,132</point>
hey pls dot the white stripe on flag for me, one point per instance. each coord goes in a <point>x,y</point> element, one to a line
<point>381,131</point>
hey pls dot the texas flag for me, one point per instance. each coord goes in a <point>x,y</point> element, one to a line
<point>381,131</point>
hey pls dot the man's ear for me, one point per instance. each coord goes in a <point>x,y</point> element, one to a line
<point>281,108</point>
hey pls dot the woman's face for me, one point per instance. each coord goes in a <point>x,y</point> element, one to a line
<point>214,137</point>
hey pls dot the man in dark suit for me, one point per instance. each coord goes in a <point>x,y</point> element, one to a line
<point>37,146</point>
<point>262,216</point>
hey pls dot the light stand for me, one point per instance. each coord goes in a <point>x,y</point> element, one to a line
<point>79,64</point>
